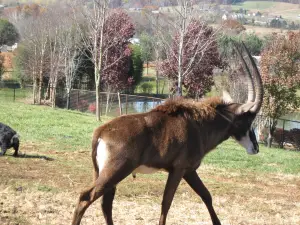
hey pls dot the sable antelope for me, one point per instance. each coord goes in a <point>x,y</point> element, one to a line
<point>173,137</point>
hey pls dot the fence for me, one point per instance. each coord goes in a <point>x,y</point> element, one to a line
<point>111,104</point>
<point>287,133</point>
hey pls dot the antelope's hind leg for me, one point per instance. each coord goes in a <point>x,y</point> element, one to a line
<point>112,173</point>
<point>197,185</point>
<point>107,201</point>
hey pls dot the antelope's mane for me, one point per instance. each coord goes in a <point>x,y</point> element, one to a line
<point>205,109</point>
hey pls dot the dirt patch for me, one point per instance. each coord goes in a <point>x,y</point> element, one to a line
<point>42,187</point>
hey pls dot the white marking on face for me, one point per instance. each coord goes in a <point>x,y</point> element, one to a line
<point>102,154</point>
<point>247,144</point>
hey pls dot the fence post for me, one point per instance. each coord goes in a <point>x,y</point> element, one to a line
<point>14,93</point>
<point>100,105</point>
<point>126,104</point>
<point>282,138</point>
<point>120,106</point>
<point>78,92</point>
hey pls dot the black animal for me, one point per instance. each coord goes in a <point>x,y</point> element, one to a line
<point>8,139</point>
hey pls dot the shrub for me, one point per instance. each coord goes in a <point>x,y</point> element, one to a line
<point>92,107</point>
<point>294,137</point>
<point>82,105</point>
<point>147,88</point>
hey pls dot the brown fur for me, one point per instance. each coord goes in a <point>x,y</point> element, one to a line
<point>206,109</point>
<point>174,137</point>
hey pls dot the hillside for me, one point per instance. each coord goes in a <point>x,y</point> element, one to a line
<point>286,10</point>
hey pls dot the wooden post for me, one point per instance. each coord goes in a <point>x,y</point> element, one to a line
<point>120,106</point>
<point>126,104</point>
<point>282,138</point>
<point>14,93</point>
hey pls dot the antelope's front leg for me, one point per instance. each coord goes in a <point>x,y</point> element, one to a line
<point>197,185</point>
<point>173,181</point>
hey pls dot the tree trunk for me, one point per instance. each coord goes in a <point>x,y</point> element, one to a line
<point>98,102</point>
<point>107,102</point>
<point>147,66</point>
<point>272,127</point>
<point>68,97</point>
<point>269,140</point>
<point>157,82</point>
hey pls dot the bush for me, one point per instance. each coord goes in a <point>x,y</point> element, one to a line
<point>147,88</point>
<point>82,105</point>
<point>294,137</point>
<point>92,107</point>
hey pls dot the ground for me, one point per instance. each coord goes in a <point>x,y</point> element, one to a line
<point>42,187</point>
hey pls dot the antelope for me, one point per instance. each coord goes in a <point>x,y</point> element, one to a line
<point>173,137</point>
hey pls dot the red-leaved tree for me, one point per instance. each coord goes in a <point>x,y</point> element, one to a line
<point>191,59</point>
<point>280,70</point>
<point>118,28</point>
<point>105,34</point>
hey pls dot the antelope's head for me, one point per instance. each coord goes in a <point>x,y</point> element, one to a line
<point>244,114</point>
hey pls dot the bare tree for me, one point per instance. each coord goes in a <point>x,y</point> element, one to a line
<point>178,23</point>
<point>90,24</point>
<point>100,39</point>
<point>36,43</point>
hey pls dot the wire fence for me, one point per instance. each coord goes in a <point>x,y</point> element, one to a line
<point>286,135</point>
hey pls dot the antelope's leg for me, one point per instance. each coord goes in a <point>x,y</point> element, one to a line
<point>112,173</point>
<point>107,201</point>
<point>172,183</point>
<point>197,185</point>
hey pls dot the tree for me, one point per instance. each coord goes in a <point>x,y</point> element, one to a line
<point>187,48</point>
<point>233,26</point>
<point>8,33</point>
<point>198,56</point>
<point>2,68</point>
<point>136,65</point>
<point>280,70</point>
<point>105,41</point>
<point>146,48</point>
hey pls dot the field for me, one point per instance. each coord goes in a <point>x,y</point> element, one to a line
<point>42,186</point>
<point>286,10</point>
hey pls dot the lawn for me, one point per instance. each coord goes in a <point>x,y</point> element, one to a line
<point>42,186</point>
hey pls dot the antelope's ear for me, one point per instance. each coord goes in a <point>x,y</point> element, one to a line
<point>226,97</point>
<point>245,108</point>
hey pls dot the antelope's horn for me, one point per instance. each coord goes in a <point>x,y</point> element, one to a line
<point>250,82</point>
<point>259,86</point>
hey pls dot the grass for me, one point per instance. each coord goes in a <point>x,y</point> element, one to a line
<point>43,184</point>
<point>259,5</point>
<point>286,10</point>
<point>64,130</point>
<point>149,84</point>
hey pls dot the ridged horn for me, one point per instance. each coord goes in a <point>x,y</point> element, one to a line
<point>250,82</point>
<point>259,85</point>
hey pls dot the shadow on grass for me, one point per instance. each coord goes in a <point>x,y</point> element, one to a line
<point>26,156</point>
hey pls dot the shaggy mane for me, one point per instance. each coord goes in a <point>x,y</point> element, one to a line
<point>188,108</point>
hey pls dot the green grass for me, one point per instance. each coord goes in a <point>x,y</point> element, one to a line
<point>63,130</point>
<point>151,83</point>
<point>7,94</point>
<point>230,155</point>
<point>260,5</point>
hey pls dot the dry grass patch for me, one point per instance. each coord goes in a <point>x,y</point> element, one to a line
<point>43,189</point>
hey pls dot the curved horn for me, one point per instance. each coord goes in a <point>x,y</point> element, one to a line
<point>259,86</point>
<point>250,82</point>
